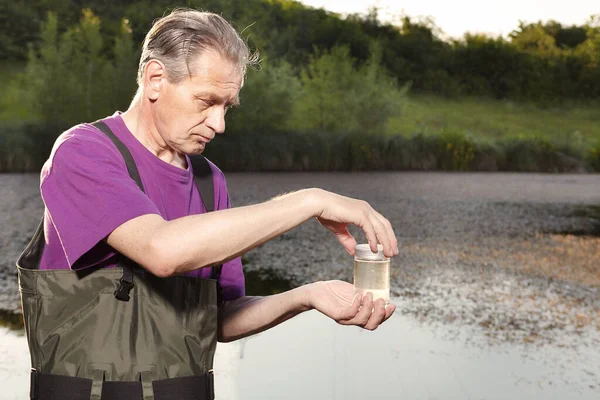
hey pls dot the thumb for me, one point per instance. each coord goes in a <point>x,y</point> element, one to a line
<point>350,312</point>
<point>347,240</point>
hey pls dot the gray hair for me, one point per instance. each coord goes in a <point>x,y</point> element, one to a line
<point>185,34</point>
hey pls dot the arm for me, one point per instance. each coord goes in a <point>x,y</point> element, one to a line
<point>171,247</point>
<point>251,315</point>
<point>184,244</point>
<point>91,197</point>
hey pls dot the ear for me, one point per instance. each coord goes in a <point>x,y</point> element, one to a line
<point>154,77</point>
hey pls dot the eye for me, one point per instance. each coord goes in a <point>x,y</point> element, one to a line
<point>204,104</point>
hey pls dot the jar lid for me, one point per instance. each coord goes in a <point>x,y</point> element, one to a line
<point>364,252</point>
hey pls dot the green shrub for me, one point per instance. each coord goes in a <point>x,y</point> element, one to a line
<point>593,156</point>
<point>338,95</point>
<point>24,147</point>
<point>310,151</point>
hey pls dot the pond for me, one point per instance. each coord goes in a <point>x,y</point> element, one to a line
<point>310,357</point>
<point>497,287</point>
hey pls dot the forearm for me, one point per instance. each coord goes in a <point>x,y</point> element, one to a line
<point>196,241</point>
<point>251,315</point>
<point>172,247</point>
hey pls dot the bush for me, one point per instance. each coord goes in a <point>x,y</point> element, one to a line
<point>24,147</point>
<point>310,151</point>
<point>340,96</point>
<point>593,156</point>
<point>267,99</point>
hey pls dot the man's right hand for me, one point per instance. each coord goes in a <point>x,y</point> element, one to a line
<point>337,212</point>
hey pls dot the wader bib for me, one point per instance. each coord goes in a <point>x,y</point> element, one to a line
<point>120,333</point>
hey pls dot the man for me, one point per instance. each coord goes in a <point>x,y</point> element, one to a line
<point>129,282</point>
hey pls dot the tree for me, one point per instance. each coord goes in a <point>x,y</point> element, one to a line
<point>339,96</point>
<point>267,99</point>
<point>69,80</point>
<point>535,39</point>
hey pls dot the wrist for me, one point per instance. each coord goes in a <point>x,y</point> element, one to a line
<point>313,201</point>
<point>305,298</point>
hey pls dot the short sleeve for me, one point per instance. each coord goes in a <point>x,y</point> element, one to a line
<point>88,192</point>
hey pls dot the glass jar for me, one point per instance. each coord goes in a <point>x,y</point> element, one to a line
<point>372,272</point>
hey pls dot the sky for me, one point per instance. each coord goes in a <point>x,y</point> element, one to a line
<point>455,17</point>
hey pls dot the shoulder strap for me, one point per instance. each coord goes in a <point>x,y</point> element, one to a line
<point>126,281</point>
<point>131,167</point>
<point>206,187</point>
<point>204,181</point>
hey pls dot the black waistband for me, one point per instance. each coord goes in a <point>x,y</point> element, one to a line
<point>59,387</point>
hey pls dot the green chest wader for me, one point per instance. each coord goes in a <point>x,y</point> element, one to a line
<point>120,333</point>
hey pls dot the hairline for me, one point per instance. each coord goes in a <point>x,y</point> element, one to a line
<point>249,59</point>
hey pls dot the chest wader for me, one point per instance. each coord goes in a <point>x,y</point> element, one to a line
<point>120,333</point>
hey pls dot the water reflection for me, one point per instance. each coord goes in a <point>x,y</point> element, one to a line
<point>589,213</point>
<point>310,357</point>
<point>11,320</point>
<point>265,282</point>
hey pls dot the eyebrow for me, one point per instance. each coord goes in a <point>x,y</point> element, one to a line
<point>235,102</point>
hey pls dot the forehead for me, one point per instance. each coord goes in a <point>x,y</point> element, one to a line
<point>211,70</point>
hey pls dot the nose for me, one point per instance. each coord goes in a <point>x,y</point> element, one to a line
<point>216,120</point>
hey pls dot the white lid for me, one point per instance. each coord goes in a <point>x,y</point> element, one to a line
<point>364,252</point>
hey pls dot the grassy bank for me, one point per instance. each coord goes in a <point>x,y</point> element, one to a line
<point>432,134</point>
<point>493,119</point>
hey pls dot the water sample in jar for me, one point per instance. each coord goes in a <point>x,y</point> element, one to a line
<point>372,272</point>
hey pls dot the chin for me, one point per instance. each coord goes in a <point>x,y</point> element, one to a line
<point>198,149</point>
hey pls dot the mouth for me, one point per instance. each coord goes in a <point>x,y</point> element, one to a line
<point>202,139</point>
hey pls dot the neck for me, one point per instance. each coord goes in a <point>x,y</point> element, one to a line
<point>139,119</point>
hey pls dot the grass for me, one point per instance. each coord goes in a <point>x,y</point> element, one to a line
<point>495,119</point>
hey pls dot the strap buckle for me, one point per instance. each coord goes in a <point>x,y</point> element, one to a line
<point>210,384</point>
<point>125,286</point>
<point>33,385</point>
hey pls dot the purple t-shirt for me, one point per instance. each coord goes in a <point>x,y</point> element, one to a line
<point>88,193</point>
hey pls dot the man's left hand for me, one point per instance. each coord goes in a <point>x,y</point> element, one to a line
<point>336,299</point>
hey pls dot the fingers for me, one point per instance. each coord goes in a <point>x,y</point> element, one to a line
<point>364,313</point>
<point>387,226</point>
<point>372,238</point>
<point>371,313</point>
<point>341,211</point>
<point>377,316</point>
<point>347,240</point>
<point>379,230</point>
<point>389,311</point>
<point>351,312</point>
<point>385,234</point>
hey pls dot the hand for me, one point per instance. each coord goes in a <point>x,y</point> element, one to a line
<point>337,212</point>
<point>336,299</point>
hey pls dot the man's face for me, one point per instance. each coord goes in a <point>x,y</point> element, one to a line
<point>189,114</point>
